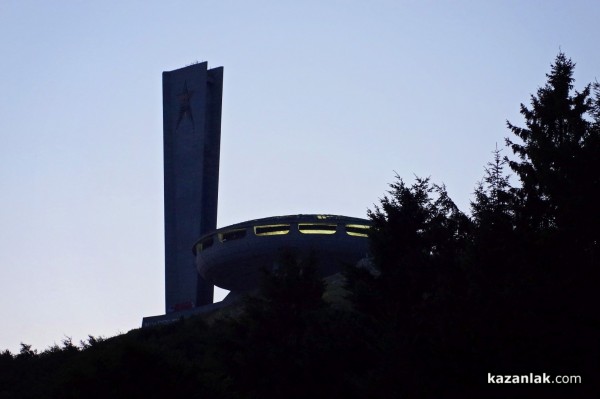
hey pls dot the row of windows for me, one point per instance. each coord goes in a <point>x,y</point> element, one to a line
<point>356,230</point>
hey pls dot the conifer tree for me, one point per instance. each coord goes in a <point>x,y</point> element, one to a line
<point>558,158</point>
<point>494,242</point>
<point>494,194</point>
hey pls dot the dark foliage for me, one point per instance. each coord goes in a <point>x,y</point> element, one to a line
<point>558,163</point>
<point>289,344</point>
<point>417,298</point>
<point>509,290</point>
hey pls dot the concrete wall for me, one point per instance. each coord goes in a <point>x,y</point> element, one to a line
<point>192,98</point>
<point>233,257</point>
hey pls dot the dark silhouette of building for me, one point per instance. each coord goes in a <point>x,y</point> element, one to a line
<point>234,257</point>
<point>192,98</point>
<point>197,255</point>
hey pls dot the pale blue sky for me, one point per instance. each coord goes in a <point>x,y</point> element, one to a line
<point>323,101</point>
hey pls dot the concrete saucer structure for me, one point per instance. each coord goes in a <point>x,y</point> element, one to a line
<point>199,256</point>
<point>232,257</point>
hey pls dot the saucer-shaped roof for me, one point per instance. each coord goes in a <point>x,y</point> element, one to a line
<point>232,257</point>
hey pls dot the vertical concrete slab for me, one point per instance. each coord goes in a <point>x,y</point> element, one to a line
<point>192,100</point>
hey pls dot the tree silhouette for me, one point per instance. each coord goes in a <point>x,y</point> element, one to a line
<point>558,158</point>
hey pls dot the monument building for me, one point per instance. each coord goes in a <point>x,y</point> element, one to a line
<point>199,256</point>
<point>192,98</point>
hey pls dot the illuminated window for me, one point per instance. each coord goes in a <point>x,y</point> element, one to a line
<point>313,228</point>
<point>206,243</point>
<point>357,230</point>
<point>272,230</point>
<point>232,235</point>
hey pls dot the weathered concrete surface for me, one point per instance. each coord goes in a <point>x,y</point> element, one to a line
<point>192,98</point>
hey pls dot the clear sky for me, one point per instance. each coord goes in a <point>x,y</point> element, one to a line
<point>323,102</point>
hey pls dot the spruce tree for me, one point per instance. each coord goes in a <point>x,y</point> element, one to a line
<point>494,242</point>
<point>558,154</point>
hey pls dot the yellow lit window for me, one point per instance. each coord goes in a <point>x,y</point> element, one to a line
<point>357,230</point>
<point>272,230</point>
<point>315,228</point>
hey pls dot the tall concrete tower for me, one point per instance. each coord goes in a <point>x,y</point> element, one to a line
<point>192,98</point>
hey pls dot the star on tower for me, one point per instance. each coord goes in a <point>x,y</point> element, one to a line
<point>184,105</point>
